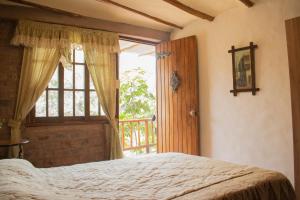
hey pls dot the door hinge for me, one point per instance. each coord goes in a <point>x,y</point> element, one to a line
<point>162,55</point>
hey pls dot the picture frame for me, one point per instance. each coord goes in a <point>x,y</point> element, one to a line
<point>243,69</point>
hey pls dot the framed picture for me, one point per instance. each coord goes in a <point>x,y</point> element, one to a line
<point>243,69</point>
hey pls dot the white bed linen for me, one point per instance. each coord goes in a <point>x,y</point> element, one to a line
<point>159,176</point>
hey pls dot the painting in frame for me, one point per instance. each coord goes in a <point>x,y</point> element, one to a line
<point>243,69</point>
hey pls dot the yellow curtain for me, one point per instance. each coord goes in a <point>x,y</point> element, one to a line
<point>37,34</point>
<point>37,69</point>
<point>44,45</point>
<point>101,64</point>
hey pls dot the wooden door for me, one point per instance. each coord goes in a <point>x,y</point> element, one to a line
<point>293,43</point>
<point>177,111</point>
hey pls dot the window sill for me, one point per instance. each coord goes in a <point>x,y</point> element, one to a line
<point>102,120</point>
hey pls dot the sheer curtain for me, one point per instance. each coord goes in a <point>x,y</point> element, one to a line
<point>46,44</point>
<point>37,69</point>
<point>102,67</point>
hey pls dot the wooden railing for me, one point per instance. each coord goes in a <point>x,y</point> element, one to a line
<point>138,135</point>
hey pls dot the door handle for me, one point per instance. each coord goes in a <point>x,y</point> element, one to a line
<point>193,113</point>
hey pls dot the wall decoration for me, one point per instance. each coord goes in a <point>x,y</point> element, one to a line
<point>175,81</point>
<point>243,69</point>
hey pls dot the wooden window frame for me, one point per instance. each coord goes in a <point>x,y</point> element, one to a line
<point>32,120</point>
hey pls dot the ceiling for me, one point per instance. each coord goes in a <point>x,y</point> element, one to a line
<point>156,8</point>
<point>137,48</point>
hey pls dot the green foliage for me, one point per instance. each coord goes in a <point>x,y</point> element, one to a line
<point>135,99</point>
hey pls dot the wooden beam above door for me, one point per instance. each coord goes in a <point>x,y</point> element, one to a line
<point>42,15</point>
<point>247,3</point>
<point>140,13</point>
<point>190,10</point>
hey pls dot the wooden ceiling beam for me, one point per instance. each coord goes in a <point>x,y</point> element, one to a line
<point>190,10</point>
<point>247,3</point>
<point>125,30</point>
<point>140,13</point>
<point>35,5</point>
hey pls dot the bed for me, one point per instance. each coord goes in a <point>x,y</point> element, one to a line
<point>160,176</point>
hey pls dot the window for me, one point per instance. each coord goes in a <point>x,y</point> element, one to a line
<point>70,95</point>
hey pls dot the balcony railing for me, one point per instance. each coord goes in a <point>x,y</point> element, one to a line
<point>138,135</point>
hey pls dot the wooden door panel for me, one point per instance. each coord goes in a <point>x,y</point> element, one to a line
<point>178,131</point>
<point>293,44</point>
<point>175,119</point>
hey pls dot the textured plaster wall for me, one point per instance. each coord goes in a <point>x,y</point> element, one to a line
<point>254,130</point>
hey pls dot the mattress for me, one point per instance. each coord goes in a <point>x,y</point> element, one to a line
<point>159,176</point>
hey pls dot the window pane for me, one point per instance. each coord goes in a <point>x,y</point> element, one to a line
<point>68,103</point>
<point>53,103</point>
<point>94,104</point>
<point>40,106</point>
<point>68,78</point>
<point>79,76</point>
<point>54,80</point>
<point>79,103</point>
<point>92,87</point>
<point>79,56</point>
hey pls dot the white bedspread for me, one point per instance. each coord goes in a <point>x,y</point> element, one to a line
<point>161,176</point>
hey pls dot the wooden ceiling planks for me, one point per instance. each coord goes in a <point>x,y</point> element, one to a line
<point>35,5</point>
<point>247,3</point>
<point>140,13</point>
<point>42,15</point>
<point>190,10</point>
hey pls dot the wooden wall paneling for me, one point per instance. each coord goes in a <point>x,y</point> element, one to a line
<point>293,44</point>
<point>10,65</point>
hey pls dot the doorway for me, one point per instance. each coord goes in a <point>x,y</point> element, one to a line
<point>137,98</point>
<point>293,45</point>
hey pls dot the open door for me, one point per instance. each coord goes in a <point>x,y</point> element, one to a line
<point>177,107</point>
<point>293,45</point>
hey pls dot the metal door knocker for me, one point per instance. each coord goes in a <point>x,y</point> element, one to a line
<point>175,81</point>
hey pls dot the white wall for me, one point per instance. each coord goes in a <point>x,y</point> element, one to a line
<point>254,130</point>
